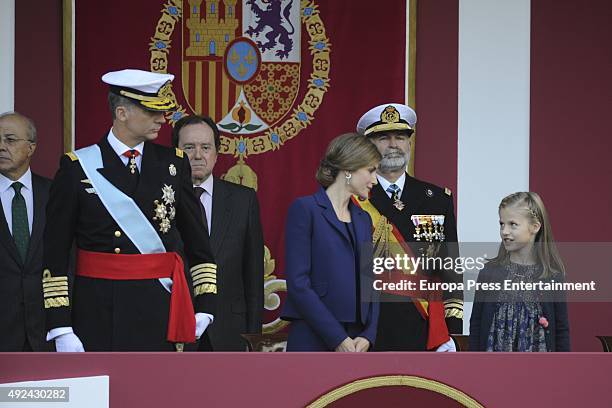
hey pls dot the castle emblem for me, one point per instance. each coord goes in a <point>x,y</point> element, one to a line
<point>240,63</point>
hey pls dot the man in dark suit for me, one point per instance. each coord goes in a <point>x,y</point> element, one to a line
<point>22,219</point>
<point>231,214</point>
<point>129,204</point>
<point>410,323</point>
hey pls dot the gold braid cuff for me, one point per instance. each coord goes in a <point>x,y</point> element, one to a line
<point>205,288</point>
<point>56,302</point>
<point>453,313</point>
<point>55,290</point>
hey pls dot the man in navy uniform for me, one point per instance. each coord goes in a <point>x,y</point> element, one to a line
<point>128,203</point>
<point>398,203</point>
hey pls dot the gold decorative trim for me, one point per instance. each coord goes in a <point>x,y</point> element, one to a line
<point>72,156</point>
<point>208,273</point>
<point>144,98</point>
<point>453,302</point>
<point>199,281</point>
<point>210,266</point>
<point>387,126</point>
<point>201,278</point>
<point>53,289</point>
<point>54,284</point>
<point>395,380</point>
<point>453,313</point>
<point>161,106</point>
<point>56,293</point>
<point>47,277</point>
<point>205,288</point>
<point>179,152</point>
<point>56,302</point>
<point>204,272</point>
<point>67,37</point>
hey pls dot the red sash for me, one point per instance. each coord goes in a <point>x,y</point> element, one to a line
<point>181,322</point>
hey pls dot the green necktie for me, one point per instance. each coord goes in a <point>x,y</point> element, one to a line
<point>21,228</point>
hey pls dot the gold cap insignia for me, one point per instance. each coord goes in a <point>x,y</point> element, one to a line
<point>389,115</point>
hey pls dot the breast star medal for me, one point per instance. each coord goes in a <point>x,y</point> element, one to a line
<point>165,210</point>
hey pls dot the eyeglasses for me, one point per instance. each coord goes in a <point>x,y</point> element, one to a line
<point>12,141</point>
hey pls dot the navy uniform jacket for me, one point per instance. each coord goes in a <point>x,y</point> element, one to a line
<point>485,306</point>
<point>401,327</point>
<point>21,301</point>
<point>128,315</point>
<point>321,271</point>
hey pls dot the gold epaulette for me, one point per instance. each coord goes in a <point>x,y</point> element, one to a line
<point>179,152</point>
<point>453,308</point>
<point>55,290</point>
<point>72,156</point>
<point>204,278</point>
<point>447,191</point>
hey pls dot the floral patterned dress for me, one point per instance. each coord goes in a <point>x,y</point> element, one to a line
<point>516,324</point>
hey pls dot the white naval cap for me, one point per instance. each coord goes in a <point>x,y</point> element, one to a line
<point>149,90</point>
<point>386,117</point>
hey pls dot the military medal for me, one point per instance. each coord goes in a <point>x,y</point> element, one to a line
<point>165,210</point>
<point>428,227</point>
<point>168,194</point>
<point>172,170</point>
<point>397,203</point>
<point>131,155</point>
<point>132,164</point>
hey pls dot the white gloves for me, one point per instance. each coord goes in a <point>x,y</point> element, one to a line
<point>68,342</point>
<point>448,346</point>
<point>202,322</point>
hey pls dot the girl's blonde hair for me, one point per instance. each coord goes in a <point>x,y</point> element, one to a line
<point>547,254</point>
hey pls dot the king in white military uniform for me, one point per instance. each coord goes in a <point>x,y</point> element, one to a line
<point>127,203</point>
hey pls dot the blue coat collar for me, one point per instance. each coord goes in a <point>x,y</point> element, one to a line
<point>328,212</point>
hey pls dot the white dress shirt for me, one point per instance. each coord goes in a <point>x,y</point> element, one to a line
<point>206,199</point>
<point>384,183</point>
<point>119,147</point>
<point>7,192</point>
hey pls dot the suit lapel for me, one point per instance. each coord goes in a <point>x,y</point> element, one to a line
<point>362,229</point>
<point>412,196</point>
<point>7,239</point>
<point>221,214</point>
<point>329,214</point>
<point>38,224</point>
<point>381,200</point>
<point>114,170</point>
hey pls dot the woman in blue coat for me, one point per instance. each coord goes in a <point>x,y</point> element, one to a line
<point>330,299</point>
